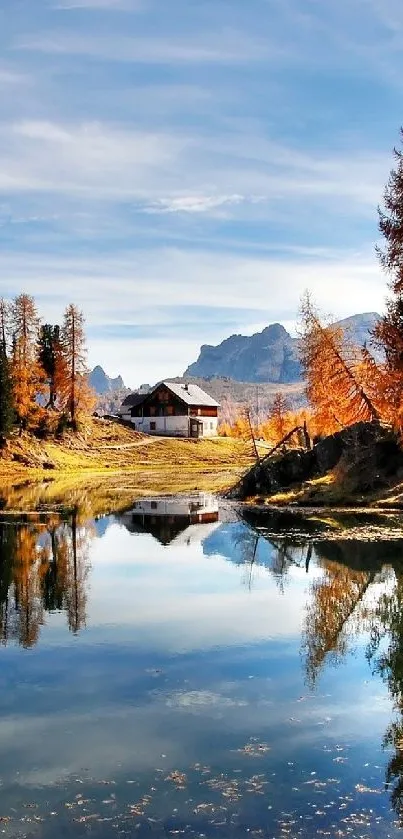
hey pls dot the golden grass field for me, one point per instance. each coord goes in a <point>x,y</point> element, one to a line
<point>111,464</point>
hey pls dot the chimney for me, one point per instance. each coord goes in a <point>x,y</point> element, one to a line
<point>186,386</point>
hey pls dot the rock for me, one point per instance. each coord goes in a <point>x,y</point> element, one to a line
<point>368,452</point>
<point>267,356</point>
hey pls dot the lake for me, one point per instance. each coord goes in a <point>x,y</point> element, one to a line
<point>180,669</point>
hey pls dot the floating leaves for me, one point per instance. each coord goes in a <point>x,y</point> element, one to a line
<point>254,749</point>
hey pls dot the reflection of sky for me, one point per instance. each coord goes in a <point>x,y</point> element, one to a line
<point>181,658</point>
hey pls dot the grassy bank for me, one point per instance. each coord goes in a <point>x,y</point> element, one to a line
<point>110,465</point>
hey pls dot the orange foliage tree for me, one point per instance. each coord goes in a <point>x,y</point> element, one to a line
<point>335,373</point>
<point>77,396</point>
<point>27,374</point>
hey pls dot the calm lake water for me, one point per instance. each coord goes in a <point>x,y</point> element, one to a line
<point>179,671</point>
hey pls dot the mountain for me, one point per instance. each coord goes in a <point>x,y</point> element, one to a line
<point>102,383</point>
<point>267,356</point>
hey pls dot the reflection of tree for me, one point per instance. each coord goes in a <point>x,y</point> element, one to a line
<point>388,624</point>
<point>334,600</point>
<point>282,553</point>
<point>42,570</point>
<point>7,553</point>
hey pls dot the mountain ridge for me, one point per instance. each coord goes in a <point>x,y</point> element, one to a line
<point>269,356</point>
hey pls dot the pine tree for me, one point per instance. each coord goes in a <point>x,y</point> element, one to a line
<point>6,398</point>
<point>389,330</point>
<point>51,359</point>
<point>4,324</point>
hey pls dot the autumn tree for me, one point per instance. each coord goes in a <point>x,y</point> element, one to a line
<point>77,393</point>
<point>26,372</point>
<point>332,368</point>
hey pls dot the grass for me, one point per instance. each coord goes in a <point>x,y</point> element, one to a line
<point>106,465</point>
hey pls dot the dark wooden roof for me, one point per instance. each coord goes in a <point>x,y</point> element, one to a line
<point>133,399</point>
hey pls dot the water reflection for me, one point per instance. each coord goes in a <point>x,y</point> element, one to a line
<point>171,519</point>
<point>42,569</point>
<point>306,587</point>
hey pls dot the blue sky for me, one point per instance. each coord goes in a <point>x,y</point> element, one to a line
<point>184,169</point>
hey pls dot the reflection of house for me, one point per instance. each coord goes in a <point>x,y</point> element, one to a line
<point>169,519</point>
<point>172,409</point>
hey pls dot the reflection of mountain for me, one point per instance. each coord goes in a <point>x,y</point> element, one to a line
<point>173,520</point>
<point>101,525</point>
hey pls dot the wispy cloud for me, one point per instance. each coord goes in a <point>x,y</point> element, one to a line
<point>111,5</point>
<point>197,203</point>
<point>228,47</point>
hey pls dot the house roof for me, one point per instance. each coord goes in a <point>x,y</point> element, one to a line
<point>133,399</point>
<point>192,394</point>
<point>189,393</point>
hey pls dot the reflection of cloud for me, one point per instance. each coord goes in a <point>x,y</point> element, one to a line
<point>199,699</point>
<point>220,611</point>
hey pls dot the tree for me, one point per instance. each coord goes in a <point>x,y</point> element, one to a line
<point>26,372</point>
<point>388,332</point>
<point>4,324</point>
<point>25,326</point>
<point>6,398</point>
<point>332,368</point>
<point>51,359</point>
<point>77,393</point>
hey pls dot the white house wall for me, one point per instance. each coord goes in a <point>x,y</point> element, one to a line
<point>173,426</point>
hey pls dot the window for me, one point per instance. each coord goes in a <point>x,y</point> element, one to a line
<point>211,426</point>
<point>153,426</point>
<point>154,505</point>
<point>152,410</point>
<point>170,410</point>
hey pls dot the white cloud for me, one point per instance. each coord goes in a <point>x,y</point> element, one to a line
<point>194,203</point>
<point>141,290</point>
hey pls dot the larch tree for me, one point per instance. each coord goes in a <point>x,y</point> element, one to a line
<point>27,374</point>
<point>78,396</point>
<point>332,368</point>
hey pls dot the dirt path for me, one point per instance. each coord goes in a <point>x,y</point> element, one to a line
<point>146,442</point>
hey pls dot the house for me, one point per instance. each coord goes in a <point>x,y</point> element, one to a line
<point>172,409</point>
<point>182,521</point>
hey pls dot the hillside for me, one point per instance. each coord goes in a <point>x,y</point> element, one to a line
<point>267,356</point>
<point>125,459</point>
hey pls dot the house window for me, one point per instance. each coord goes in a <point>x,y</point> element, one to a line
<point>152,410</point>
<point>211,426</point>
<point>170,410</point>
<point>154,505</point>
<point>153,426</point>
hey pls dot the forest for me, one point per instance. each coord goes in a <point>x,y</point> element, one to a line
<point>43,374</point>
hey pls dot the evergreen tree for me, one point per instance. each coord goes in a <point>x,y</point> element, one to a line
<point>389,330</point>
<point>6,398</point>
<point>50,358</point>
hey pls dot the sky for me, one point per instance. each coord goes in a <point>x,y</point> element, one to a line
<point>184,169</point>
